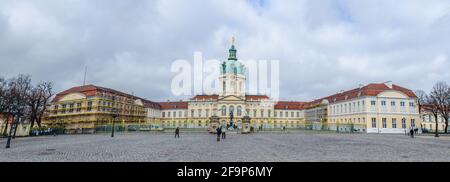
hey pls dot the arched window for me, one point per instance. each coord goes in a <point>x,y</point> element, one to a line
<point>232,109</point>
<point>224,110</point>
<point>239,111</point>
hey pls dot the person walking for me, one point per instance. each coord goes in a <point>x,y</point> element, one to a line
<point>177,132</point>
<point>223,135</point>
<point>411,133</point>
<point>219,132</point>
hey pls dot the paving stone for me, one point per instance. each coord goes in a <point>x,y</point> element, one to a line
<point>265,147</point>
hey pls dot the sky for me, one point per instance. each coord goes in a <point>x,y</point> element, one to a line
<point>323,46</point>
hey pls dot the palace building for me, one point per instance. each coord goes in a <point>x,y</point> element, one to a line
<point>373,108</point>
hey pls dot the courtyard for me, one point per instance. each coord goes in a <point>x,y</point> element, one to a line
<point>202,147</point>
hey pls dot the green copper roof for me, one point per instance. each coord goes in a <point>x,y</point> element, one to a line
<point>232,65</point>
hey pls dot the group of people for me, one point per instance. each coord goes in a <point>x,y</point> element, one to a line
<point>413,131</point>
<point>220,133</point>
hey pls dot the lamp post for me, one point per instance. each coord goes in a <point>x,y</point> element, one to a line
<point>114,114</point>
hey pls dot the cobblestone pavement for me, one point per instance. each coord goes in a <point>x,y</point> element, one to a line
<point>298,146</point>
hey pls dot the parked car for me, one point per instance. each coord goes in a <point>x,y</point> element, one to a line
<point>424,130</point>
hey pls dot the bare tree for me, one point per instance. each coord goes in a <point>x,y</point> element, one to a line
<point>19,88</point>
<point>4,103</point>
<point>38,98</point>
<point>431,107</point>
<point>421,99</point>
<point>440,95</point>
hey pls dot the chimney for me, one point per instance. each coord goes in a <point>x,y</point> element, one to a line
<point>388,84</point>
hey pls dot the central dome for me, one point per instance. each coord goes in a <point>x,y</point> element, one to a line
<point>232,65</point>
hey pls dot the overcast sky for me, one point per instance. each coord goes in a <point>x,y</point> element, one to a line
<point>323,46</point>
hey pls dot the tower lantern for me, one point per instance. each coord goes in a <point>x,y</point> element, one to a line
<point>232,51</point>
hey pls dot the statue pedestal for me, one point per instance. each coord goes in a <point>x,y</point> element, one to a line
<point>214,124</point>
<point>246,125</point>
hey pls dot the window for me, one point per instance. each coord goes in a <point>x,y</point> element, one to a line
<point>402,104</point>
<point>56,109</point>
<point>411,104</point>
<point>373,103</point>
<point>383,120</point>
<point>174,114</point>
<point>394,123</point>
<point>63,111</point>
<point>392,103</point>
<point>298,114</point>
<point>163,114</point>
<point>292,114</point>
<point>374,122</point>
<point>274,114</point>
<point>281,114</point>
<point>254,112</point>
<point>262,113</point>
<point>192,113</point>
<point>224,110</point>
<point>232,110</point>
<point>78,107</point>
<point>413,123</point>
<point>270,113</point>
<point>71,107</point>
<point>383,103</point>
<point>403,123</point>
<point>207,112</point>
<point>239,111</point>
<point>199,113</point>
<point>286,114</point>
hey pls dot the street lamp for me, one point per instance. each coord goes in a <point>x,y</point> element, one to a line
<point>114,114</point>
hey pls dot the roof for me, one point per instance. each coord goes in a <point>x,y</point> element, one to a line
<point>372,89</point>
<point>91,90</point>
<point>290,105</point>
<point>150,104</point>
<point>215,97</point>
<point>256,97</point>
<point>205,97</point>
<point>173,105</point>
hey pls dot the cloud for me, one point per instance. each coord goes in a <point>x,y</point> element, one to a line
<point>323,46</point>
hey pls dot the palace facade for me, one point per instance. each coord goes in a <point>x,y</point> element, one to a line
<point>372,108</point>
